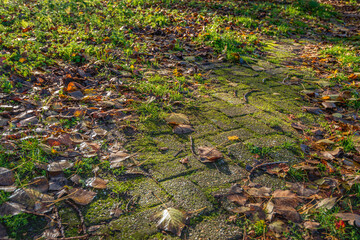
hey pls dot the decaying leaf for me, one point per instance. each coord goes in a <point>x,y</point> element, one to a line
<point>10,209</point>
<point>96,182</point>
<point>209,154</point>
<point>237,198</point>
<point>285,198</point>
<point>327,203</point>
<point>177,119</point>
<point>59,166</point>
<point>259,192</point>
<point>184,160</point>
<point>81,196</point>
<point>32,200</point>
<point>313,110</point>
<point>7,177</point>
<point>171,220</point>
<point>117,159</point>
<point>183,129</point>
<point>40,184</point>
<point>311,225</point>
<point>352,218</point>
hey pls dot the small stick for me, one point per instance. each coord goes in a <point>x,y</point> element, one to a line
<point>127,205</point>
<point>80,215</point>
<point>192,148</point>
<point>178,152</point>
<point>61,227</point>
<point>264,79</point>
<point>247,94</point>
<point>283,81</point>
<point>78,237</point>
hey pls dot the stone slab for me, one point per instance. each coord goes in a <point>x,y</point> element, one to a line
<point>187,195</point>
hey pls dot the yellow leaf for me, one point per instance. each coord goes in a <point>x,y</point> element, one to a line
<point>78,113</point>
<point>233,138</point>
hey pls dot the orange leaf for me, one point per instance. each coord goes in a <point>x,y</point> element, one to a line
<point>71,87</point>
<point>22,60</point>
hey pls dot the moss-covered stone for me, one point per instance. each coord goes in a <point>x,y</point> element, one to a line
<point>254,125</point>
<point>242,134</point>
<point>241,153</point>
<point>270,141</point>
<point>217,176</point>
<point>187,195</point>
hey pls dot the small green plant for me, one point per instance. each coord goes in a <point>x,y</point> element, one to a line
<point>17,225</point>
<point>259,228</point>
<point>262,151</point>
<point>5,84</point>
<point>297,174</point>
<point>69,122</point>
<point>348,144</point>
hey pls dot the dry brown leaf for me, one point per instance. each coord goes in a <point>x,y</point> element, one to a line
<point>352,218</point>
<point>32,200</point>
<point>96,182</point>
<point>59,166</point>
<point>177,119</point>
<point>237,198</point>
<point>209,154</point>
<point>81,196</point>
<point>7,177</point>
<point>183,129</point>
<point>259,192</point>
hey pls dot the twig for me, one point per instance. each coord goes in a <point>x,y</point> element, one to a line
<point>178,152</point>
<point>127,205</point>
<point>61,227</point>
<point>159,199</point>
<point>264,79</point>
<point>247,94</point>
<point>78,237</point>
<point>192,149</point>
<point>38,214</point>
<point>80,215</point>
<point>283,81</point>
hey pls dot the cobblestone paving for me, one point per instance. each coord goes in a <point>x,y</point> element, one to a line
<point>262,118</point>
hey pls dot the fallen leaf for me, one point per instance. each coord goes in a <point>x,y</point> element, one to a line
<point>237,198</point>
<point>117,159</point>
<point>171,220</point>
<point>313,110</point>
<point>59,166</point>
<point>327,203</point>
<point>177,119</point>
<point>311,225</point>
<point>40,184</point>
<point>259,192</point>
<point>352,218</point>
<point>32,200</point>
<point>184,160</point>
<point>209,154</point>
<point>183,129</point>
<point>10,209</point>
<point>285,198</point>
<point>81,196</point>
<point>329,105</point>
<point>96,182</point>
<point>7,177</point>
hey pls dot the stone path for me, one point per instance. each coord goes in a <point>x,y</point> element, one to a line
<point>262,118</point>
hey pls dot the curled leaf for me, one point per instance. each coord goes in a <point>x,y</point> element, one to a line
<point>171,219</point>
<point>209,154</point>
